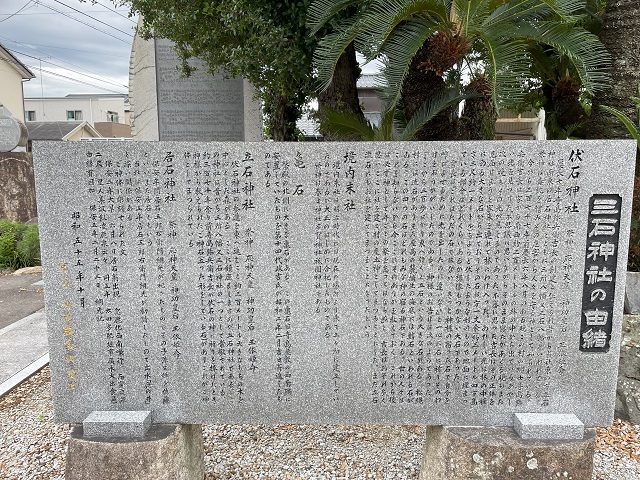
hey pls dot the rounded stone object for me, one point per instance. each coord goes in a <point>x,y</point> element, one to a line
<point>498,453</point>
<point>166,452</point>
<point>13,133</point>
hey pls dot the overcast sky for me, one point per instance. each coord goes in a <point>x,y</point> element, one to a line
<point>95,54</point>
<point>43,33</point>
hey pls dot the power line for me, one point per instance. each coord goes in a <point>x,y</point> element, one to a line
<point>80,21</point>
<point>59,48</point>
<point>14,14</point>
<point>69,69</point>
<point>52,13</point>
<point>53,56</point>
<point>42,70</point>
<point>92,18</point>
<point>114,11</point>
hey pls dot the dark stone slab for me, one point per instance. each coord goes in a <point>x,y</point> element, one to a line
<point>498,453</point>
<point>167,452</point>
<point>17,188</point>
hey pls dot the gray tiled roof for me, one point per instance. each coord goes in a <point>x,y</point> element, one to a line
<point>50,130</point>
<point>369,80</point>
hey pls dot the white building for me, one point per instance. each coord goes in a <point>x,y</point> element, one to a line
<point>91,108</point>
<point>12,74</point>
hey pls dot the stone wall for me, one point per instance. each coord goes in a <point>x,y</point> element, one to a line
<point>17,188</point>
<point>628,394</point>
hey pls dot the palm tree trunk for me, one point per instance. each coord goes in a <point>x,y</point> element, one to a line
<point>621,36</point>
<point>418,87</point>
<point>342,94</point>
<point>478,120</point>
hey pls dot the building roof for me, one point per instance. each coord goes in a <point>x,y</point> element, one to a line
<point>370,80</point>
<point>308,126</point>
<point>85,96</point>
<point>96,95</point>
<point>57,130</point>
<point>21,68</point>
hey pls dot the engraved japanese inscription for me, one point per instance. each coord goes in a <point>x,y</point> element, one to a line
<point>600,272</point>
<point>199,107</point>
<point>438,283</point>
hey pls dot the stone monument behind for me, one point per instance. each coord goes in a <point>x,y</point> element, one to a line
<point>202,107</point>
<point>13,133</point>
<point>17,187</point>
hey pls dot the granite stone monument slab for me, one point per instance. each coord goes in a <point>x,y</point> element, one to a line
<point>202,107</point>
<point>438,283</point>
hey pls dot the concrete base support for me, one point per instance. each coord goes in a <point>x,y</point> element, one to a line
<point>498,453</point>
<point>166,452</point>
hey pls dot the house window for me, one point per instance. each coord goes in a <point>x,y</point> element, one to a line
<point>74,114</point>
<point>112,116</point>
<point>30,116</point>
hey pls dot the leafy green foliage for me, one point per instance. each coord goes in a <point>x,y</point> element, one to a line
<point>633,262</point>
<point>264,41</point>
<point>348,126</point>
<point>500,36</point>
<point>634,129</point>
<point>566,111</point>
<point>19,245</point>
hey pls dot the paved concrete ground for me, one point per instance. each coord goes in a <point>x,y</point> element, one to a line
<point>23,329</point>
<point>19,297</point>
<point>23,350</point>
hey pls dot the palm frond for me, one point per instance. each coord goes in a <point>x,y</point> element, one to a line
<point>572,128</point>
<point>521,10</point>
<point>583,49</point>
<point>544,64</point>
<point>385,16</point>
<point>321,12</point>
<point>402,46</point>
<point>385,132</point>
<point>430,109</point>
<point>347,125</point>
<point>567,10</point>
<point>467,13</point>
<point>634,130</point>
<point>369,29</point>
<point>331,47</point>
<point>507,65</point>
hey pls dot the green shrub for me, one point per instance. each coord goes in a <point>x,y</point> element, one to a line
<point>28,246</point>
<point>19,245</point>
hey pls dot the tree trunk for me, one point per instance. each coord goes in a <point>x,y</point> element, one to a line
<point>565,115</point>
<point>342,94</point>
<point>418,87</point>
<point>280,118</point>
<point>478,120</point>
<point>621,36</point>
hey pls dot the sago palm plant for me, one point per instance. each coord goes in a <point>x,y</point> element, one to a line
<point>420,42</point>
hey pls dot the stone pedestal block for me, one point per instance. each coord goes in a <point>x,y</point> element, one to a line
<point>628,391</point>
<point>166,452</point>
<point>498,453</point>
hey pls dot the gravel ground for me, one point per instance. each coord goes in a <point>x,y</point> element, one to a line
<point>32,446</point>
